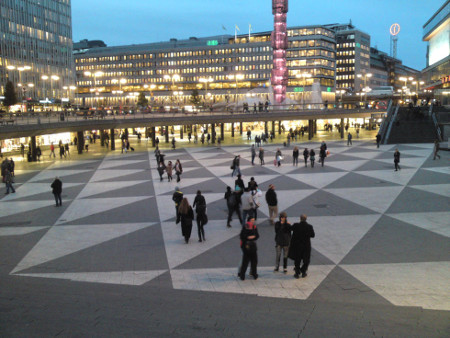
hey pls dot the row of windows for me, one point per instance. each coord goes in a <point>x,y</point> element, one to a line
<point>310,31</point>
<point>345,69</point>
<point>365,55</point>
<point>345,61</point>
<point>311,43</point>
<point>34,33</point>
<point>346,45</point>
<point>310,62</point>
<point>345,77</point>
<point>310,52</point>
<point>346,53</point>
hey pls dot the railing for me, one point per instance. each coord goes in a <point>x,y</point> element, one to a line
<point>391,122</point>
<point>386,120</point>
<point>100,115</point>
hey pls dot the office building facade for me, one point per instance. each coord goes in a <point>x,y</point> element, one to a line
<point>225,67</point>
<point>36,48</point>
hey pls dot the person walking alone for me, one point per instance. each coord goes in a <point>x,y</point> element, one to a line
<point>305,156</point>
<point>200,210</point>
<point>235,166</point>
<point>253,151</point>
<point>272,202</point>
<point>300,246</point>
<point>178,170</point>
<point>282,240</point>
<point>249,235</point>
<point>436,150</point>
<point>233,199</point>
<point>8,181</point>
<point>349,139</point>
<point>397,160</point>
<point>57,190</point>
<point>295,154</point>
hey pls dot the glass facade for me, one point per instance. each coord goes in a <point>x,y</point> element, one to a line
<point>36,42</point>
<point>113,75</point>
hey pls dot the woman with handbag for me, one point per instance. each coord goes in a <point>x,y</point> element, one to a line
<point>186,215</point>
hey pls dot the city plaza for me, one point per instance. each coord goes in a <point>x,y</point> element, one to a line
<point>380,263</point>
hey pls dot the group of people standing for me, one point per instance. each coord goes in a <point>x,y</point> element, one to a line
<point>169,168</point>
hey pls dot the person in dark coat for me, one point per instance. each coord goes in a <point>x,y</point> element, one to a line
<point>378,140</point>
<point>249,235</point>
<point>300,247</point>
<point>200,210</point>
<point>397,160</point>
<point>312,157</point>
<point>57,190</point>
<point>233,199</point>
<point>272,203</point>
<point>239,183</point>
<point>305,156</point>
<point>177,197</point>
<point>185,216</point>
<point>295,154</point>
<point>282,240</point>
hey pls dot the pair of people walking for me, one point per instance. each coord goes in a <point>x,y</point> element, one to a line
<point>185,214</point>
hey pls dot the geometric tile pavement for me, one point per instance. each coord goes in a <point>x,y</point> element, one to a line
<point>377,230</point>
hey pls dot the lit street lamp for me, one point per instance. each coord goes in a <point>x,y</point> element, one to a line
<point>205,81</point>
<point>365,89</point>
<point>236,78</point>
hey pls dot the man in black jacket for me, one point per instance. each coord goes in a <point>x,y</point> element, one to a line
<point>272,202</point>
<point>300,247</point>
<point>57,190</point>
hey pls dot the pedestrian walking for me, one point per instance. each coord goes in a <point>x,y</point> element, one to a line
<point>169,170</point>
<point>247,205</point>
<point>436,150</point>
<point>202,218</point>
<point>349,139</point>
<point>295,154</point>
<point>256,194</point>
<point>305,156</point>
<point>177,197</point>
<point>300,246</point>
<point>272,202</point>
<point>233,199</point>
<point>252,185</point>
<point>249,235</point>
<point>161,168</point>
<point>239,183</point>
<point>12,166</point>
<point>52,150</point>
<point>67,151</point>
<point>378,138</point>
<point>235,166</point>
<point>8,182</point>
<point>185,216</point>
<point>173,143</point>
<point>397,160</point>
<point>178,170</point>
<point>57,190</point>
<point>282,240</point>
<point>312,157</point>
<point>22,150</point>
<point>253,152</point>
<point>38,153</point>
<point>278,157</point>
<point>261,156</point>
<point>61,151</point>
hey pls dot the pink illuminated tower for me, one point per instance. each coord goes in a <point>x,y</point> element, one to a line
<point>279,45</point>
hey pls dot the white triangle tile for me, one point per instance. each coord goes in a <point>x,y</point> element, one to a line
<point>19,172</point>
<point>213,162</point>
<point>422,145</point>
<point>199,149</point>
<point>178,251</point>
<point>318,180</point>
<point>377,199</point>
<point>17,231</point>
<point>51,174</point>
<point>117,163</point>
<point>17,207</point>
<point>86,207</point>
<point>70,163</point>
<point>368,155</point>
<point>60,241</point>
<point>437,222</point>
<point>407,284</point>
<point>221,171</point>
<point>268,284</point>
<point>418,152</point>
<point>118,154</point>
<point>112,277</point>
<point>346,165</point>
<point>236,150</point>
<point>286,198</point>
<point>337,235</point>
<point>285,168</point>
<point>440,189</point>
<point>30,189</point>
<point>95,188</point>
<point>399,177</point>
<point>201,156</point>
<point>441,170</point>
<point>333,151</point>
<point>108,174</point>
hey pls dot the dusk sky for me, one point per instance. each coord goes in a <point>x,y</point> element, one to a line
<point>119,22</point>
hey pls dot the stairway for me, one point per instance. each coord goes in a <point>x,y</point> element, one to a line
<point>412,126</point>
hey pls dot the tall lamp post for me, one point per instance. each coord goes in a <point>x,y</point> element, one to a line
<point>236,77</point>
<point>172,78</point>
<point>303,76</point>
<point>205,81</point>
<point>404,78</point>
<point>365,89</point>
<point>95,75</point>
